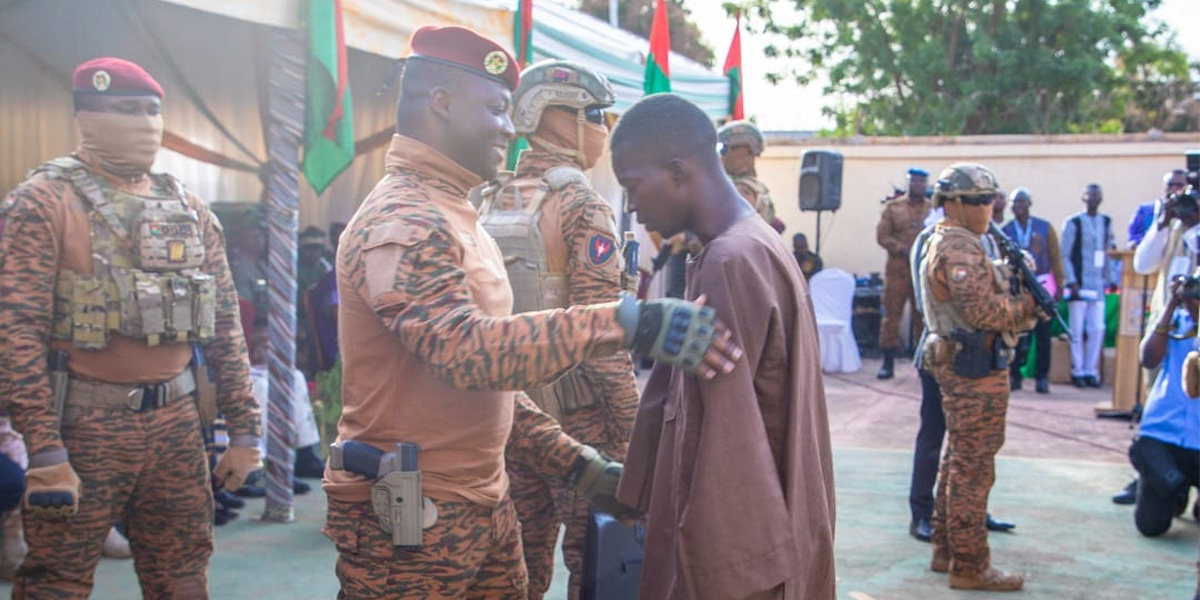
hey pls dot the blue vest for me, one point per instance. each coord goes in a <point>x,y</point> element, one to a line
<point>1039,233</point>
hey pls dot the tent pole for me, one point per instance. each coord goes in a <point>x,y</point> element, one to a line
<point>612,13</point>
<point>285,122</point>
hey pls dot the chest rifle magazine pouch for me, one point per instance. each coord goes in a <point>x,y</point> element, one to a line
<point>204,293</point>
<point>89,312</point>
<point>151,301</point>
<point>973,359</point>
<point>179,317</point>
<point>397,501</point>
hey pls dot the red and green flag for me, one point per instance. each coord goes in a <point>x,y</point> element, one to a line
<point>658,69</point>
<point>523,32</point>
<point>328,126</point>
<point>733,72</point>
<point>523,44</point>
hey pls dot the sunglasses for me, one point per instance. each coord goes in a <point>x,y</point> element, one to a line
<point>594,115</point>
<point>977,199</point>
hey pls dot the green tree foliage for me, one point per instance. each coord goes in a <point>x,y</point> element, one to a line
<point>948,67</point>
<point>636,16</point>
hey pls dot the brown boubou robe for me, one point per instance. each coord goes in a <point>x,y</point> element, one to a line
<point>736,474</point>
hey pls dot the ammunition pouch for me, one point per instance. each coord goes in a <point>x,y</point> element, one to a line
<point>566,395</point>
<point>171,307</point>
<point>978,354</point>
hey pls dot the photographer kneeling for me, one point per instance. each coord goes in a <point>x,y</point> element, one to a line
<point>1166,452</point>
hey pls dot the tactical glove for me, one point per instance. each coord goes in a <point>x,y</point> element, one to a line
<point>235,465</point>
<point>595,477</point>
<point>668,330</point>
<point>52,490</point>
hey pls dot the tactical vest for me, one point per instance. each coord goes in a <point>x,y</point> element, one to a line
<point>146,282</point>
<point>535,287</point>
<point>762,203</point>
<point>942,315</point>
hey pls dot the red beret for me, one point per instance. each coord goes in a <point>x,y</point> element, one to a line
<point>464,49</point>
<point>110,76</point>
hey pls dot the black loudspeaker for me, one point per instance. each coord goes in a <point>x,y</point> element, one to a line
<point>820,180</point>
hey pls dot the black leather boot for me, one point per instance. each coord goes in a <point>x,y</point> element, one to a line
<point>886,371</point>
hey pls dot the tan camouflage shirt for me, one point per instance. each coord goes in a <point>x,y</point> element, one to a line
<point>48,230</point>
<point>428,341</point>
<point>899,225</point>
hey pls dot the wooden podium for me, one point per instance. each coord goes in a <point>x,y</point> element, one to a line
<point>1129,384</point>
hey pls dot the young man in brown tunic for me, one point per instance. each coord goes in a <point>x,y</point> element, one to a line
<point>735,474</point>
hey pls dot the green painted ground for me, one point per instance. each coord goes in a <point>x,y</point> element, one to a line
<point>1071,541</point>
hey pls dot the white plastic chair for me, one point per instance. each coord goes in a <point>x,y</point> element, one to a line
<point>832,293</point>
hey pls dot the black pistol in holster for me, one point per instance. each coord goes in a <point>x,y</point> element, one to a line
<point>206,390</point>
<point>60,380</point>
<point>630,279</point>
<point>974,358</point>
<point>396,496</point>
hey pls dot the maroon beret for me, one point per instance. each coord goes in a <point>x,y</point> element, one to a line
<point>464,49</point>
<point>111,76</point>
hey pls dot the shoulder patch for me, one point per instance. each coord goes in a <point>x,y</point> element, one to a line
<point>601,249</point>
<point>958,273</point>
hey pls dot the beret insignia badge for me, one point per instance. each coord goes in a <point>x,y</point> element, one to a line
<point>495,63</point>
<point>101,80</point>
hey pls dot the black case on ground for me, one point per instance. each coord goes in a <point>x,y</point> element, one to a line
<point>612,559</point>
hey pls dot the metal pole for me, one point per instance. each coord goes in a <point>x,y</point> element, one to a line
<point>612,13</point>
<point>285,108</point>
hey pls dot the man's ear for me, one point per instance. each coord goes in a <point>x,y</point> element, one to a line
<point>439,102</point>
<point>678,170</point>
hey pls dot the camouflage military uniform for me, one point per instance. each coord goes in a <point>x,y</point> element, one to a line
<point>963,291</point>
<point>605,392</point>
<point>745,134</point>
<point>424,314</point>
<point>898,227</point>
<point>147,469</point>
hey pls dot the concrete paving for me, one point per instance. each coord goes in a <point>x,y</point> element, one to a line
<point>1054,479</point>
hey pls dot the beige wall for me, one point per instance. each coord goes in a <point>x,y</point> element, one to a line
<point>1054,168</point>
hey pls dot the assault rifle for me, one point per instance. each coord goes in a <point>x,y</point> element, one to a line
<point>1016,258</point>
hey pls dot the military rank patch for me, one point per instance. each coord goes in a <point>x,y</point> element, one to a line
<point>176,251</point>
<point>959,273</point>
<point>601,248</point>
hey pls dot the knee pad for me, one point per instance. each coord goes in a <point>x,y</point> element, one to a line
<point>1156,468</point>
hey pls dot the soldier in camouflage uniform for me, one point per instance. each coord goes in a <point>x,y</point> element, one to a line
<point>902,219</point>
<point>124,271</point>
<point>429,344</point>
<point>559,241</point>
<point>741,144</point>
<point>972,321</point>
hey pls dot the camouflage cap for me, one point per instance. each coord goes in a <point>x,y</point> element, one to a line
<point>965,179</point>
<point>742,133</point>
<point>557,83</point>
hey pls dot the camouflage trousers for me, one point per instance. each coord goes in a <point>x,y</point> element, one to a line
<point>544,503</point>
<point>897,291</point>
<point>147,470</point>
<point>471,552</point>
<point>975,412</point>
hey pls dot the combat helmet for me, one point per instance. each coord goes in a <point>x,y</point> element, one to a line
<point>742,133</point>
<point>557,83</point>
<point>967,181</point>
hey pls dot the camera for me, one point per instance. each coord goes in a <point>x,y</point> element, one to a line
<point>1185,204</point>
<point>1191,288</point>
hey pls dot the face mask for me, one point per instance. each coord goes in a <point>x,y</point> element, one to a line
<point>564,131</point>
<point>974,218</point>
<point>124,144</point>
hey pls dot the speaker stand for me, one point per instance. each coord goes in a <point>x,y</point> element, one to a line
<point>818,250</point>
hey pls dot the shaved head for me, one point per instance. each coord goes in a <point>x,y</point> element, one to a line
<point>668,127</point>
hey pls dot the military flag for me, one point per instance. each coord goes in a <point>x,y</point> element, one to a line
<point>658,70</point>
<point>523,44</point>
<point>733,72</point>
<point>328,125</point>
